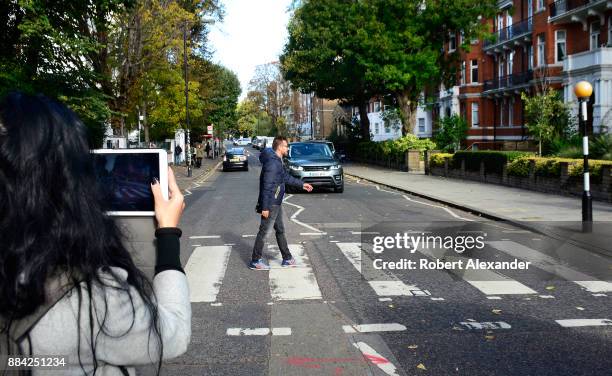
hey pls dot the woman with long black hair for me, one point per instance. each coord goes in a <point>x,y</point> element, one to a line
<point>52,223</point>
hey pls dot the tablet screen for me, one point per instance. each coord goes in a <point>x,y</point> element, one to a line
<point>126,179</point>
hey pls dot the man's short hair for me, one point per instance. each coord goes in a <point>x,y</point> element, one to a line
<point>277,141</point>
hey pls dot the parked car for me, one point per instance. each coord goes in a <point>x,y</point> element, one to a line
<point>235,158</point>
<point>244,141</point>
<point>315,163</point>
<point>258,141</point>
<point>267,142</point>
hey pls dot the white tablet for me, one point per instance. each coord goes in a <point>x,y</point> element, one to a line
<point>126,175</point>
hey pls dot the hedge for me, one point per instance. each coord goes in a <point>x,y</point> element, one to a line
<point>493,160</point>
<point>437,160</point>
<point>551,167</point>
<point>393,148</point>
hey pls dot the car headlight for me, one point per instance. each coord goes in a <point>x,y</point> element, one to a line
<point>296,168</point>
<point>336,167</point>
<point>243,158</point>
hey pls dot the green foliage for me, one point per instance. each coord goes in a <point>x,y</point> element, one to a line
<point>357,49</point>
<point>437,160</point>
<point>548,118</point>
<point>393,148</point>
<point>519,167</point>
<point>600,146</point>
<point>493,160</point>
<point>451,131</point>
<point>551,167</point>
<point>106,58</point>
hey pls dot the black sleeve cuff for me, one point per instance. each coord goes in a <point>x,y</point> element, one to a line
<point>168,249</point>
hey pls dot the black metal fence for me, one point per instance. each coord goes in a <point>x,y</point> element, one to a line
<point>561,6</point>
<point>512,31</point>
<point>508,81</point>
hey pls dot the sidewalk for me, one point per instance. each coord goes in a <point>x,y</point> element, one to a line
<point>180,172</point>
<point>550,214</point>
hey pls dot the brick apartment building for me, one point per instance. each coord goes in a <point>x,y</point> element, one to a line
<point>538,44</point>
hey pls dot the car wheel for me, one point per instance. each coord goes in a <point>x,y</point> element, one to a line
<point>339,189</point>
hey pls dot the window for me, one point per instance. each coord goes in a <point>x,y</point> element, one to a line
<point>377,106</point>
<point>475,117</point>
<point>376,128</point>
<point>595,32</point>
<point>540,5</point>
<point>500,68</point>
<point>541,50</point>
<point>474,77</point>
<point>510,61</point>
<point>452,42</point>
<point>529,57</point>
<point>501,113</point>
<point>529,9</point>
<point>610,31</point>
<point>421,125</point>
<point>500,22</point>
<point>560,48</point>
<point>510,112</point>
<point>463,73</point>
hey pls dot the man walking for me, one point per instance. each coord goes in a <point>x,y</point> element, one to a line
<point>271,191</point>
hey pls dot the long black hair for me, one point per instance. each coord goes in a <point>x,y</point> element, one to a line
<point>51,215</point>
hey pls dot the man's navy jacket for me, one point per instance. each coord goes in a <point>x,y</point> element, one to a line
<point>272,180</point>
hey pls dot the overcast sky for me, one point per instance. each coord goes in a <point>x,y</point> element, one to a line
<point>252,33</point>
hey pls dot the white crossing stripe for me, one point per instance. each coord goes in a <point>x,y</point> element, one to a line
<point>383,363</point>
<point>487,281</point>
<point>549,264</point>
<point>388,285</point>
<point>258,331</point>
<point>205,237</point>
<point>312,233</point>
<point>205,271</point>
<point>368,328</point>
<point>486,325</point>
<point>293,283</point>
<point>572,323</point>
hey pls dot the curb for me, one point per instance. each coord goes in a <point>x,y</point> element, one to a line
<point>489,215</point>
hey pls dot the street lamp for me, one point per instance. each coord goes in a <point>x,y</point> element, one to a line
<point>186,100</point>
<point>583,91</point>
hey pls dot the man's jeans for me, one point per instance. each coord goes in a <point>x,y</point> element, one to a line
<point>274,219</point>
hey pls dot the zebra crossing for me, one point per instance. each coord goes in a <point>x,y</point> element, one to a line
<point>300,283</point>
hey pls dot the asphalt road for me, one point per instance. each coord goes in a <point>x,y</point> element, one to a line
<point>335,314</point>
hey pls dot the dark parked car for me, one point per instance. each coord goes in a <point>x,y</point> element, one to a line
<point>235,158</point>
<point>315,163</point>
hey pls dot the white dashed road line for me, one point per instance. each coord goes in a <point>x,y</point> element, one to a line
<point>369,328</point>
<point>573,323</point>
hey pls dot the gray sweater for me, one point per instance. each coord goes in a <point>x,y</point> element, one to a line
<point>57,334</point>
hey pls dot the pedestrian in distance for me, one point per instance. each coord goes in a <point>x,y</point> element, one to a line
<point>177,155</point>
<point>68,285</point>
<point>272,182</point>
<point>199,155</point>
<point>207,149</point>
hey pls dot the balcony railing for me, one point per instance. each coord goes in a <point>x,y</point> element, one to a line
<point>507,33</point>
<point>509,81</point>
<point>561,6</point>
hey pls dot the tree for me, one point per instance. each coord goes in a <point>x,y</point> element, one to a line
<point>326,54</point>
<point>451,131</point>
<point>548,118</point>
<point>356,49</point>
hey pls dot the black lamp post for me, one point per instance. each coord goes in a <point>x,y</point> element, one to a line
<point>186,100</point>
<point>583,91</point>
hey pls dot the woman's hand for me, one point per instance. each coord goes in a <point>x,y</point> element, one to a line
<point>168,212</point>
